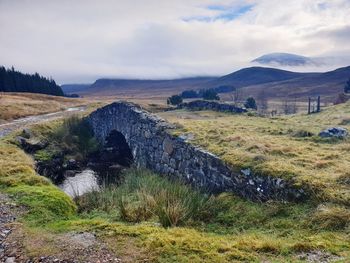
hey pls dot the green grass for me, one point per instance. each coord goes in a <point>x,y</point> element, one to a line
<point>285,146</point>
<point>45,202</point>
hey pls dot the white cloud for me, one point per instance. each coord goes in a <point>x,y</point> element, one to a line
<point>79,41</point>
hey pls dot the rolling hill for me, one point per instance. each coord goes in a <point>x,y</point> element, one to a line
<point>145,88</point>
<point>255,75</point>
<point>275,82</point>
<point>328,85</point>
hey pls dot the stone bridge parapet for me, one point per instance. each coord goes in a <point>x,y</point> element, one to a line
<point>155,148</point>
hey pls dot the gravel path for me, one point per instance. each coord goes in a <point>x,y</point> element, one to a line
<point>69,247</point>
<point>9,127</point>
<point>8,213</point>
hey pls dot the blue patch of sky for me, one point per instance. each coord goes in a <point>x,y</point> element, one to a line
<point>322,6</point>
<point>218,7</point>
<point>226,13</point>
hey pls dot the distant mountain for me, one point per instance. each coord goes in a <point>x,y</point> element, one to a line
<point>284,59</point>
<point>12,80</point>
<point>276,83</point>
<point>328,85</point>
<point>74,88</point>
<point>147,88</point>
<point>255,75</point>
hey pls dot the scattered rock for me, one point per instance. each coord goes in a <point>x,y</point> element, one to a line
<point>71,164</point>
<point>211,105</point>
<point>318,256</point>
<point>31,145</point>
<point>186,137</point>
<point>10,260</point>
<point>27,133</point>
<point>8,214</point>
<point>334,132</point>
<point>84,239</point>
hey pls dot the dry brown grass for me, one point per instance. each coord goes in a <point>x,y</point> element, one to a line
<point>18,105</point>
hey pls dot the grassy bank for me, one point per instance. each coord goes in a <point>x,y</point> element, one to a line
<point>45,202</point>
<point>285,146</point>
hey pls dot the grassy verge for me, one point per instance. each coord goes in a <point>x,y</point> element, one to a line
<point>45,202</point>
<point>221,228</point>
<point>286,146</point>
<point>18,105</point>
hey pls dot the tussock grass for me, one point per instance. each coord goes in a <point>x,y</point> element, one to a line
<point>331,217</point>
<point>75,136</point>
<point>71,137</point>
<point>143,195</point>
<point>285,146</point>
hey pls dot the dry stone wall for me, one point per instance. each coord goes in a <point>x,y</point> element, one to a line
<point>154,147</point>
<point>211,105</point>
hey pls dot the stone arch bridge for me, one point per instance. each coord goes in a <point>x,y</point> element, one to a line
<point>154,148</point>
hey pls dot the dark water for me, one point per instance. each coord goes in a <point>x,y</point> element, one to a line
<point>104,168</point>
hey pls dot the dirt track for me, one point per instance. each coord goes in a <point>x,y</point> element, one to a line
<point>9,127</point>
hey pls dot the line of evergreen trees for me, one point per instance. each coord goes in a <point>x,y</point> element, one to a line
<point>15,81</point>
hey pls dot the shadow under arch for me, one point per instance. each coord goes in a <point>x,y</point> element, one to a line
<point>117,149</point>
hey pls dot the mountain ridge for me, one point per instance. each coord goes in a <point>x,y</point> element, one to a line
<point>277,83</point>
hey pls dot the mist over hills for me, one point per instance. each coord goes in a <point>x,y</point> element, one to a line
<point>284,59</point>
<point>275,82</point>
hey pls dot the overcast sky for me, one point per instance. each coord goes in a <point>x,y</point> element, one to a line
<point>81,40</point>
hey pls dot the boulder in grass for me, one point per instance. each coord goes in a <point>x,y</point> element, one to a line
<point>31,145</point>
<point>334,132</point>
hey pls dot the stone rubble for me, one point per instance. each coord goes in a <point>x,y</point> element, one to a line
<point>334,132</point>
<point>210,105</point>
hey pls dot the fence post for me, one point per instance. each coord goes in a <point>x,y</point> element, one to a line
<point>309,106</point>
<point>318,103</point>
